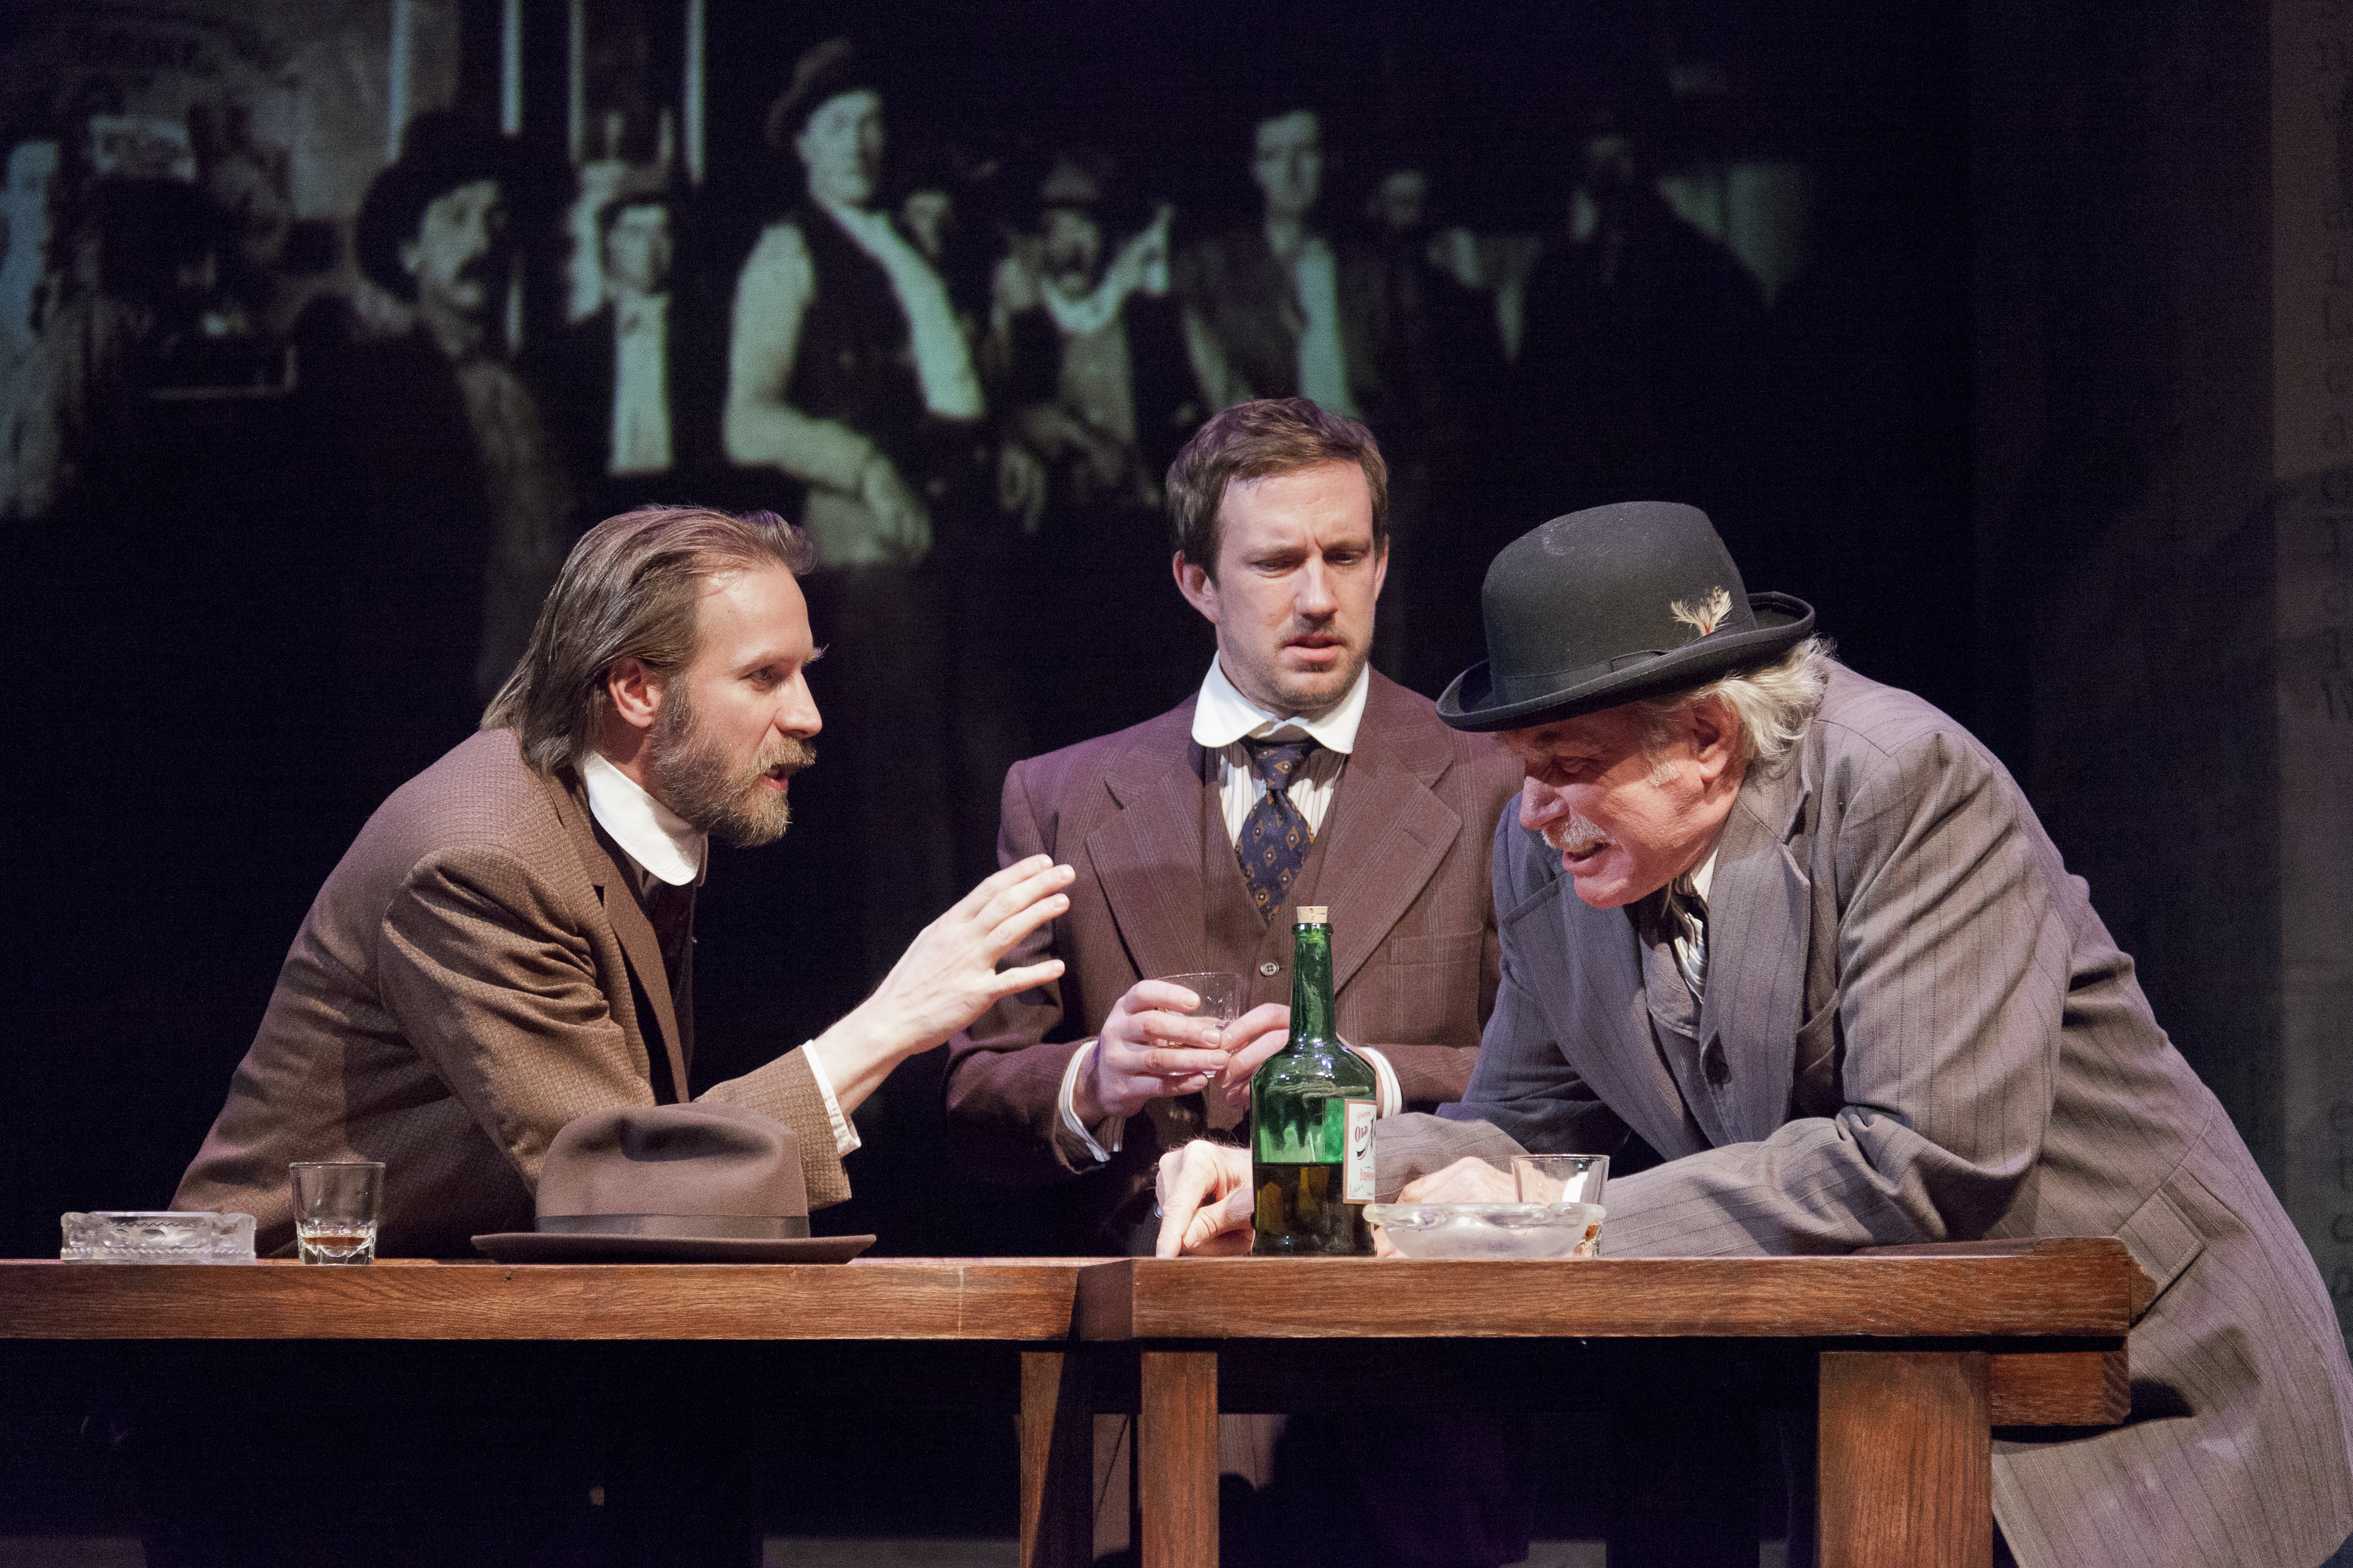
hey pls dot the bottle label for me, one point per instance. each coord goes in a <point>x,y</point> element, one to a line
<point>1356,1186</point>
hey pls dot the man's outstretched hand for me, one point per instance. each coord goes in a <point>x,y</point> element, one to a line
<point>947,977</point>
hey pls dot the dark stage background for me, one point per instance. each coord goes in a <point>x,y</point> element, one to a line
<point>2007,334</point>
<point>200,528</point>
<point>194,541</point>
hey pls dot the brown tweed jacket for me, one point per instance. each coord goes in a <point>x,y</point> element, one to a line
<point>1400,860</point>
<point>474,974</point>
<point>1915,1028</point>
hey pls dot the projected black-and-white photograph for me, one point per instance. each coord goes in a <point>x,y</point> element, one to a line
<point>339,322</point>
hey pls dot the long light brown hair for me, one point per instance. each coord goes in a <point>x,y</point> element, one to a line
<point>631,589</point>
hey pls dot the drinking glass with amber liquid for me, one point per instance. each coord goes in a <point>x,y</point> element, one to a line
<point>1311,1107</point>
<point>335,1205</point>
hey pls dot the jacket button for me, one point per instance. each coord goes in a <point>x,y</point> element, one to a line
<point>1269,969</point>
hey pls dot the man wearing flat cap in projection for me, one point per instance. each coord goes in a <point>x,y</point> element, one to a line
<point>1796,942</point>
<point>849,372</point>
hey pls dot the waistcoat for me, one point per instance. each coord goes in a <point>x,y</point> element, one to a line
<point>1698,1070</point>
<point>856,363</point>
<point>1236,940</point>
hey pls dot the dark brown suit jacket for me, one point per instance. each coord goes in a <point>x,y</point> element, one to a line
<point>1401,861</point>
<point>471,977</point>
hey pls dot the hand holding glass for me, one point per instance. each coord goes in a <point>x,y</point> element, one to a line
<point>1221,1001</point>
<point>335,1204</point>
<point>1220,994</point>
<point>1151,1045</point>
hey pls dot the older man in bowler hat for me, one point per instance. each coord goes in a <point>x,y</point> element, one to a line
<point>1795,941</point>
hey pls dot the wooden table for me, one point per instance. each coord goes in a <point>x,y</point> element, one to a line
<point>1919,1351</point>
<point>946,1333</point>
<point>992,1299</point>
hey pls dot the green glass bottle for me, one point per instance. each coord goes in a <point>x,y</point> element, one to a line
<point>1311,1120</point>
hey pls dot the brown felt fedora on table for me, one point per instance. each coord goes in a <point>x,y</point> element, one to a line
<point>1612,604</point>
<point>682,1183</point>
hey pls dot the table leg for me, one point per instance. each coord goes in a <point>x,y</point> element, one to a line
<point>1906,1461</point>
<point>1177,1453</point>
<point>1056,1440</point>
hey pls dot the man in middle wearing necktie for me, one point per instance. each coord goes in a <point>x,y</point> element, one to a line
<point>1296,776</point>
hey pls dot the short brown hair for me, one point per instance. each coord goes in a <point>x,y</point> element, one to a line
<point>631,589</point>
<point>1255,441</point>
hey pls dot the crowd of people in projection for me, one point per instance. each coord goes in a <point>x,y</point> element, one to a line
<point>968,411</point>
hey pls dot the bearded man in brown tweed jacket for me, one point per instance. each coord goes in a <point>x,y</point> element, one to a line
<point>509,943</point>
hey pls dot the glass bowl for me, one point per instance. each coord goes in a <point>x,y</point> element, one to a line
<point>1490,1230</point>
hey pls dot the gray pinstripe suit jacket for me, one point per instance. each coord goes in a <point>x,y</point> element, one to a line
<point>1916,1029</point>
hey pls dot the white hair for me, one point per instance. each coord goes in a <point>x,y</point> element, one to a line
<point>1771,705</point>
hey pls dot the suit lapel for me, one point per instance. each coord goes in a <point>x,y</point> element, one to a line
<point>1147,858</point>
<point>635,933</point>
<point>1757,909</point>
<point>1603,1022</point>
<point>1388,832</point>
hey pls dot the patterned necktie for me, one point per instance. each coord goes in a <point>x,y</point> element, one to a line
<point>1275,838</point>
<point>1687,925</point>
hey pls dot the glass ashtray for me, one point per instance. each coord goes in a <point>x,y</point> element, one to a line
<point>157,1236</point>
<point>1491,1230</point>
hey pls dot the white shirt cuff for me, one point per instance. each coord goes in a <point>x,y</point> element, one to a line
<point>845,1136</point>
<point>1070,1106</point>
<point>1391,1094</point>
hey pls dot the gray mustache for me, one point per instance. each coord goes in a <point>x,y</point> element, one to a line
<point>1578,830</point>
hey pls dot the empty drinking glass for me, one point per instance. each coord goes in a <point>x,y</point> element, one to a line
<point>1560,1178</point>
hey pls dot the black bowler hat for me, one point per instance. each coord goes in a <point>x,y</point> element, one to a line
<point>1610,605</point>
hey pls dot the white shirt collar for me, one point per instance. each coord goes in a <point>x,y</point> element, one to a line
<point>1696,881</point>
<point>1224,715</point>
<point>655,836</point>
